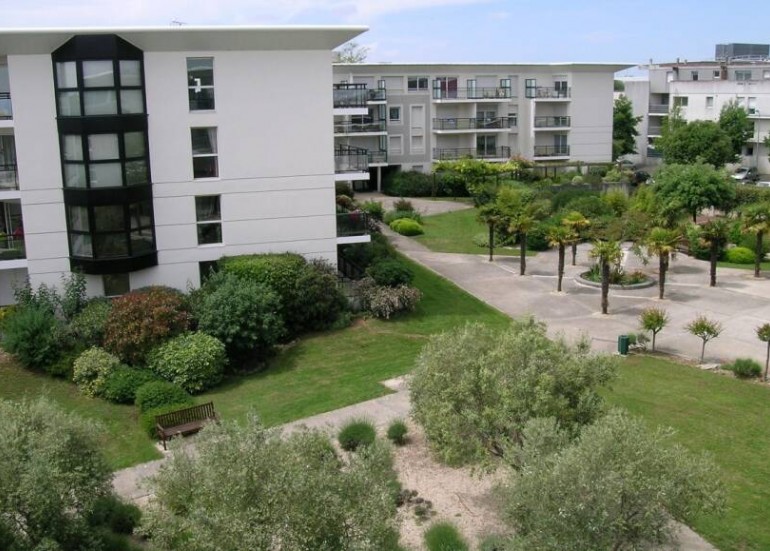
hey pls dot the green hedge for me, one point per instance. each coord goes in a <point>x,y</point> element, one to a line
<point>419,184</point>
<point>194,361</point>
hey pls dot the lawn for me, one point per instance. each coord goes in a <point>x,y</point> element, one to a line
<point>764,265</point>
<point>721,415</point>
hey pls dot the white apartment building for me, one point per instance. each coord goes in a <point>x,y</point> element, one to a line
<point>412,115</point>
<point>140,156</point>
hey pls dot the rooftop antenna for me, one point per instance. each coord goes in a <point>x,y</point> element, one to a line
<point>175,23</point>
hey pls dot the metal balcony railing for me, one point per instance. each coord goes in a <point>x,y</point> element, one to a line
<point>451,154</point>
<point>350,159</point>
<point>9,178</point>
<point>12,248</point>
<point>552,122</point>
<point>551,151</point>
<point>474,123</point>
<point>658,108</point>
<point>472,93</point>
<point>352,223</point>
<point>349,127</point>
<point>6,108</point>
<point>356,95</point>
<point>378,157</point>
<point>548,92</point>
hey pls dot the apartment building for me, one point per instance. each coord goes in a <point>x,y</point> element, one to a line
<point>412,115</point>
<point>141,156</point>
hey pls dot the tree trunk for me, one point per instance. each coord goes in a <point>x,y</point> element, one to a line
<point>713,256</point>
<point>662,267</point>
<point>695,216</point>
<point>654,334</point>
<point>574,252</point>
<point>605,286</point>
<point>561,267</point>
<point>758,254</point>
<point>702,351</point>
<point>767,359</point>
<point>522,253</point>
<point>491,240</point>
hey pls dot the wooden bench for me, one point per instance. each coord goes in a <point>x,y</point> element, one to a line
<point>184,421</point>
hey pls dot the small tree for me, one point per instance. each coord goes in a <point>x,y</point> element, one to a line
<point>560,237</point>
<point>490,215</point>
<point>351,52</point>
<point>689,188</point>
<point>687,142</point>
<point>606,253</point>
<point>653,320</point>
<point>715,234</point>
<point>756,221</point>
<point>763,334</point>
<point>705,329</point>
<point>734,121</point>
<point>521,224</point>
<point>624,125</point>
<point>662,243</point>
<point>578,223</point>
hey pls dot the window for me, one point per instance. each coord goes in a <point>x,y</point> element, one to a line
<point>395,146</point>
<point>99,90</point>
<point>204,152</point>
<point>749,150</point>
<point>766,75</point>
<point>394,114</point>
<point>743,75</point>
<point>417,84</point>
<point>694,75</point>
<point>209,217</point>
<point>717,74</point>
<point>115,284</point>
<point>530,87</point>
<point>561,88</point>
<point>200,83</point>
<point>751,106</point>
<point>111,231</point>
<point>709,102</point>
<point>417,144</point>
<point>669,76</point>
<point>445,87</point>
<point>486,146</point>
<point>681,101</point>
<point>108,160</point>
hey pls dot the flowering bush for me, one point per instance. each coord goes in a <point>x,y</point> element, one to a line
<point>384,302</point>
<point>194,361</point>
<point>92,369</point>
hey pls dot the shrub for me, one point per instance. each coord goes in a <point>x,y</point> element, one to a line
<point>344,202</point>
<point>617,201</point>
<point>384,302</point>
<point>444,536</point>
<point>390,273</point>
<point>374,209</point>
<point>406,226</point>
<point>142,319</point>
<point>355,434</point>
<point>64,364</point>
<point>577,180</point>
<point>344,188</point>
<point>158,394</point>
<point>749,241</point>
<point>91,370</point>
<point>481,240</point>
<point>121,384</point>
<point>121,517</point>
<point>745,368</point>
<point>409,184</point>
<point>591,206</point>
<point>740,255</point>
<point>366,254</point>
<point>397,431</point>
<point>89,324</point>
<point>403,205</point>
<point>194,361</point>
<point>29,334</point>
<point>393,215</point>
<point>537,238</point>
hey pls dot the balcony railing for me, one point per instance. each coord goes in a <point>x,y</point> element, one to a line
<point>6,109</point>
<point>654,130</point>
<point>9,178</point>
<point>660,109</point>
<point>350,159</point>
<point>378,94</point>
<point>378,157</point>
<point>551,151</point>
<point>548,92</point>
<point>348,127</point>
<point>473,93</point>
<point>474,124</point>
<point>12,248</point>
<point>451,154</point>
<point>352,223</point>
<point>356,95</point>
<point>552,122</point>
<point>654,153</point>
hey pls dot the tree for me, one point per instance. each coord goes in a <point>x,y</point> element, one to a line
<point>520,224</point>
<point>52,476</point>
<point>662,243</point>
<point>687,143</point>
<point>351,52</point>
<point>734,121</point>
<point>653,320</point>
<point>617,487</point>
<point>756,221</point>
<point>474,388</point>
<point>247,488</point>
<point>606,253</point>
<point>705,329</point>
<point>560,237</point>
<point>693,187</point>
<point>624,130</point>
<point>715,233</point>
<point>763,334</point>
<point>521,210</point>
<point>578,224</point>
<point>490,215</point>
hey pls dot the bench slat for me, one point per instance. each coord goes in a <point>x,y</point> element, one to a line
<point>184,421</point>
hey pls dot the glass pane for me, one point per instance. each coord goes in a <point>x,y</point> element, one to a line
<point>201,99</point>
<point>78,219</point>
<point>66,74</point>
<point>134,144</point>
<point>200,71</point>
<point>205,167</point>
<point>140,214</point>
<point>69,104</point>
<point>109,218</point>
<point>98,73</point>
<point>105,175</point>
<point>204,140</point>
<point>130,73</point>
<point>207,208</point>
<point>81,245</point>
<point>115,284</point>
<point>102,102</point>
<point>103,147</point>
<point>74,175</point>
<point>209,233</point>
<point>131,102</point>
<point>141,242</point>
<point>72,147</point>
<point>110,245</point>
<point>136,173</point>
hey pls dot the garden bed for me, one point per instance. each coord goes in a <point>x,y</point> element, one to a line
<point>585,279</point>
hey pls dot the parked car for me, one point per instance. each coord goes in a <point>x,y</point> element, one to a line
<point>745,175</point>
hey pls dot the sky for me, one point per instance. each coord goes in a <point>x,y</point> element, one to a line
<point>630,32</point>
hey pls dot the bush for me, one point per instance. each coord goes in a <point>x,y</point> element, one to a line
<point>158,394</point>
<point>110,511</point>
<point>397,431</point>
<point>64,364</point>
<point>740,255</point>
<point>393,215</point>
<point>408,184</point>
<point>617,201</point>
<point>344,202</point>
<point>750,242</point>
<point>577,180</point>
<point>89,324</point>
<point>194,361</point>
<point>590,206</point>
<point>29,334</point>
<point>374,209</point>
<point>481,240</point>
<point>390,273</point>
<point>745,368</point>
<point>537,238</point>
<point>444,536</point>
<point>385,302</point>
<point>366,254</point>
<point>121,384</point>
<point>403,205</point>
<point>91,370</point>
<point>142,319</point>
<point>344,188</point>
<point>356,434</point>
<point>406,226</point>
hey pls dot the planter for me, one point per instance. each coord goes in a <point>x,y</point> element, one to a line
<point>649,282</point>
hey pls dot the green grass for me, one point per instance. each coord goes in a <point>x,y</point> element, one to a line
<point>764,265</point>
<point>721,415</point>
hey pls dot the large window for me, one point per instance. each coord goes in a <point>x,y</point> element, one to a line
<point>204,152</point>
<point>104,87</point>
<point>104,160</point>
<point>111,231</point>
<point>417,84</point>
<point>200,83</point>
<point>681,101</point>
<point>208,215</point>
<point>743,75</point>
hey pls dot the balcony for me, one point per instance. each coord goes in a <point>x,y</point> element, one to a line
<point>378,95</point>
<point>9,179</point>
<point>550,151</point>
<point>549,92</point>
<point>6,108</point>
<point>658,109</point>
<point>378,158</point>
<point>351,163</point>
<point>355,95</point>
<point>473,94</point>
<point>342,128</point>
<point>552,122</point>
<point>453,154</point>
<point>473,124</point>
<point>352,223</point>
<point>12,248</point>
<point>654,129</point>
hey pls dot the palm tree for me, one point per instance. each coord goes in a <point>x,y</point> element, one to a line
<point>756,220</point>
<point>560,237</point>
<point>607,253</point>
<point>520,224</point>
<point>662,243</point>
<point>490,215</point>
<point>715,233</point>
<point>578,223</point>
<point>763,334</point>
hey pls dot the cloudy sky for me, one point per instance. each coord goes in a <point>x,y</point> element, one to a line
<point>451,30</point>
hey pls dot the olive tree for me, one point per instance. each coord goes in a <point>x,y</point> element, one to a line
<point>705,329</point>
<point>474,387</point>
<point>653,320</point>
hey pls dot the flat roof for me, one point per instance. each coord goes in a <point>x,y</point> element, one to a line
<point>187,38</point>
<point>567,64</point>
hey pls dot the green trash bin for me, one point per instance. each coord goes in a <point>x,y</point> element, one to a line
<point>623,345</point>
